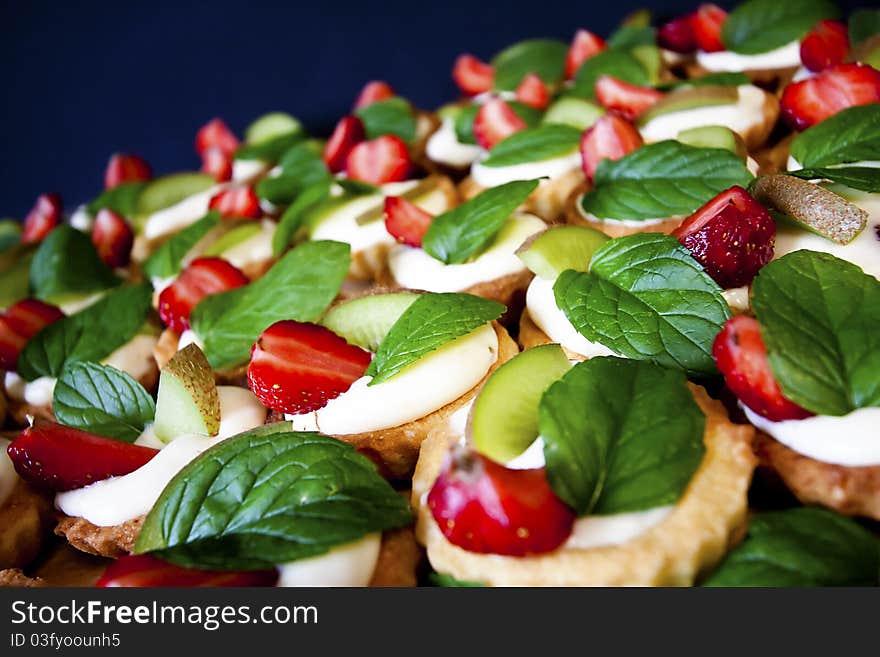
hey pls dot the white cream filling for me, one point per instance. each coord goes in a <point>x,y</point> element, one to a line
<point>443,147</point>
<point>189,337</point>
<point>81,219</point>
<point>182,214</point>
<point>351,564</point>
<point>487,176</point>
<point>787,56</point>
<point>737,298</point>
<point>255,249</point>
<point>615,529</point>
<point>415,269</point>
<point>246,171</point>
<point>427,385</point>
<point>80,302</point>
<point>8,476</point>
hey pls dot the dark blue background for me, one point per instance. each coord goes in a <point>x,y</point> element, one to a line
<point>84,79</point>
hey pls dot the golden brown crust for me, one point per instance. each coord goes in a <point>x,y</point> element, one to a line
<point>113,541</point>
<point>530,335</point>
<point>574,217</point>
<point>774,159</point>
<point>852,491</point>
<point>399,558</point>
<point>13,577</point>
<point>548,201</point>
<point>26,519</point>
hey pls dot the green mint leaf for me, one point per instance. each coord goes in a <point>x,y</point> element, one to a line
<point>15,273</point>
<point>852,135</point>
<point>306,163</point>
<point>544,57</point>
<point>758,26</point>
<point>266,497</point>
<point>466,229</point>
<point>89,335</point>
<point>646,298</point>
<point>660,180</point>
<point>464,124</point>
<point>863,24</point>
<point>430,322</point>
<point>67,262</point>
<point>448,581</point>
<point>813,303</point>
<point>270,150</point>
<point>534,145</point>
<point>620,64</point>
<point>102,400</point>
<point>866,179</point>
<point>801,547</point>
<point>354,187</point>
<point>295,215</point>
<point>10,234</point>
<point>389,117</point>
<point>300,286</point>
<point>629,36</point>
<point>167,260</point>
<point>710,80</point>
<point>620,435</point>
<point>122,199</point>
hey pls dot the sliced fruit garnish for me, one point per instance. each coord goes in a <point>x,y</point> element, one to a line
<point>827,44</point>
<point>714,136</point>
<point>348,133</point>
<point>113,238</point>
<point>187,401</point>
<point>202,277</point>
<point>165,191</point>
<point>145,570</point>
<point>43,217</point>
<point>678,35</point>
<point>237,202</point>
<point>628,100</point>
<point>483,507</point>
<point>63,458</point>
<point>576,112</point>
<point>533,92</point>
<point>298,367</point>
<point>810,101</point>
<point>688,98</point>
<point>472,75</point>
<point>551,252</point>
<point>125,167</point>
<point>496,121</point>
<point>406,221</point>
<point>216,133</point>
<point>584,45</point>
<point>741,356</point>
<point>610,138</point>
<point>732,237</point>
<point>373,92</point>
<point>19,323</point>
<point>365,321</point>
<point>707,22</point>
<point>217,163</point>
<point>378,161</point>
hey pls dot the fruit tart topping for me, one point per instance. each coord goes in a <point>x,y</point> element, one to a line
<point>836,88</point>
<point>678,35</point>
<point>584,45</point>
<point>373,92</point>
<point>236,202</point>
<point>378,161</point>
<point>707,22</point>
<point>43,217</point>
<point>406,221</point>
<point>145,570</point>
<point>628,100</point>
<point>346,135</point>
<point>217,163</point>
<point>216,133</point>
<point>19,323</point>
<point>610,138</point>
<point>125,167</point>
<point>533,92</point>
<point>202,277</point>
<point>551,252</point>
<point>113,238</point>
<point>826,45</point>
<point>187,401</point>
<point>495,121</point>
<point>472,75</point>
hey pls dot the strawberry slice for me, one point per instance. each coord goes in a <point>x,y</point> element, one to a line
<point>532,91</point>
<point>379,161</point>
<point>113,238</point>
<point>145,570</point>
<point>628,100</point>
<point>707,22</point>
<point>298,367</point>
<point>216,162</point>
<point>43,217</point>
<point>610,138</point>
<point>19,323</point>
<point>125,167</point>
<point>216,133</point>
<point>496,121</point>
<point>584,45</point>
<point>741,356</point>
<point>236,202</point>
<point>732,237</point>
<point>678,35</point>
<point>473,76</point>
<point>827,44</point>
<point>202,277</point>
<point>64,458</point>
<point>347,134</point>
<point>813,100</point>
<point>373,92</point>
<point>406,221</point>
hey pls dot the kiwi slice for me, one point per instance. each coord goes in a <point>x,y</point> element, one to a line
<point>813,207</point>
<point>234,237</point>
<point>366,321</point>
<point>187,401</point>
<point>15,273</point>
<point>552,251</point>
<point>422,188</point>
<point>715,136</point>
<point>650,58</point>
<point>690,98</point>
<point>169,190</point>
<point>270,126</point>
<point>576,112</point>
<point>503,421</point>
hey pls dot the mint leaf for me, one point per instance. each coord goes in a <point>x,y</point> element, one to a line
<point>801,547</point>
<point>305,162</point>
<point>852,135</point>
<point>464,124</point>
<point>646,298</point>
<point>709,80</point>
<point>430,322</point>
<point>102,400</point>
<point>10,234</point>
<point>167,260</point>
<point>293,217</point>
<point>758,26</point>
<point>300,286</point>
<point>267,497</point>
<point>620,64</point>
<point>270,150</point>
<point>122,199</point>
<point>67,262</point>
<point>813,303</point>
<point>544,57</point>
<point>661,180</point>
<point>863,24</point>
<point>389,117</point>
<point>15,273</point>
<point>448,581</point>
<point>534,145</point>
<point>629,36</point>
<point>620,435</point>
<point>89,335</point>
<point>866,179</point>
<point>466,229</point>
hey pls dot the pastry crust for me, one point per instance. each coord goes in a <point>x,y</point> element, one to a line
<point>25,518</point>
<point>13,577</point>
<point>692,539</point>
<point>530,335</point>
<point>574,217</point>
<point>547,201</point>
<point>399,559</point>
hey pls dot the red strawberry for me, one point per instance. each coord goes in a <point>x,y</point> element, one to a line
<point>626,99</point>
<point>298,367</point>
<point>741,357</point>
<point>113,238</point>
<point>610,138</point>
<point>124,167</point>
<point>236,202</point>
<point>43,217</point>
<point>145,570</point>
<point>584,45</point>
<point>472,75</point>
<point>532,91</point>
<point>678,35</point>
<point>707,22</point>
<point>810,101</point>
<point>406,221</point>
<point>202,277</point>
<point>217,163</point>
<point>373,92</point>
<point>482,506</point>
<point>495,121</point>
<point>63,458</point>
<point>826,45</point>
<point>348,133</point>
<point>19,323</point>
<point>379,161</point>
<point>216,133</point>
<point>732,236</point>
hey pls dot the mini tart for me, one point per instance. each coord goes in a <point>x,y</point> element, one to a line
<point>26,519</point>
<point>548,201</point>
<point>530,335</point>
<point>574,215</point>
<point>692,539</point>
